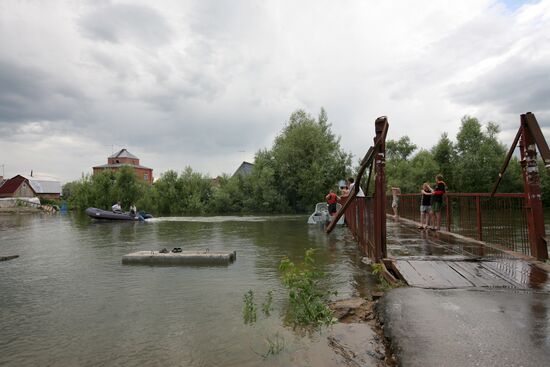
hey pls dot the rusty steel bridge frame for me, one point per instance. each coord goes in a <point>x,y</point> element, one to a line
<point>366,216</point>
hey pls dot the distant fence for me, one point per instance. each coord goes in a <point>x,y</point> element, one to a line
<point>19,201</point>
<point>499,220</point>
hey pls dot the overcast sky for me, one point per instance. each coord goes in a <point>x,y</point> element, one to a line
<point>207,83</point>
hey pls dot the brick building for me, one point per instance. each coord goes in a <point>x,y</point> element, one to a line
<point>125,158</point>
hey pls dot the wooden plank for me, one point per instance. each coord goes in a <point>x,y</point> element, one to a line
<point>451,275</point>
<point>473,272</point>
<point>432,277</point>
<point>411,276</point>
<point>516,272</point>
<point>480,276</point>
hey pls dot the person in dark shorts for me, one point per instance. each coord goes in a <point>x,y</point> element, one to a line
<point>332,199</point>
<point>426,206</point>
<point>437,200</point>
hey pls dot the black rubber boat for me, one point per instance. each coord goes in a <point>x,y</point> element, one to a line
<point>105,214</point>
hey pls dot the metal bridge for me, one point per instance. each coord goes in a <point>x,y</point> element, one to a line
<point>487,239</point>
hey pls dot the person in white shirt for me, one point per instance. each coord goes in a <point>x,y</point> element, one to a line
<point>351,184</point>
<point>116,208</point>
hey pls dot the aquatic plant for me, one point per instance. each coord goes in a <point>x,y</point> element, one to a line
<point>249,307</point>
<point>308,303</point>
<point>378,270</point>
<point>274,347</point>
<point>267,306</point>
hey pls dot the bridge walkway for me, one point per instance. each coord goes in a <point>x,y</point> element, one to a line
<point>441,260</point>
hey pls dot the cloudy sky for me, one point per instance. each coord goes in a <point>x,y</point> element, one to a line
<point>207,83</point>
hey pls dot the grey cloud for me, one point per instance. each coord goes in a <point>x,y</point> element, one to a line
<point>517,86</point>
<point>457,49</point>
<point>119,23</point>
<point>31,94</point>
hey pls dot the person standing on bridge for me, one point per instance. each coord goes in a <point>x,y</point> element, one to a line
<point>426,206</point>
<point>437,200</point>
<point>351,184</point>
<point>395,191</point>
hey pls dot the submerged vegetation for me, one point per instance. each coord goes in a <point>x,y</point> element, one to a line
<point>308,303</point>
<point>305,160</point>
<point>307,300</point>
<point>249,308</point>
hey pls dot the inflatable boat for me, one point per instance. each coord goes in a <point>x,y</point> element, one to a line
<point>105,214</point>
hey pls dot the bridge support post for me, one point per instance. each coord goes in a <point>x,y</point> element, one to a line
<point>531,178</point>
<point>380,191</point>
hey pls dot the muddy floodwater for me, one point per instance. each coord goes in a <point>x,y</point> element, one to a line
<point>68,300</point>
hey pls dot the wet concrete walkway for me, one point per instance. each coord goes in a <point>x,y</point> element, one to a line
<point>467,304</point>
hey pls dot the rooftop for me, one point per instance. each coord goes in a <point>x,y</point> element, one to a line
<point>44,185</point>
<point>123,153</point>
<point>11,185</point>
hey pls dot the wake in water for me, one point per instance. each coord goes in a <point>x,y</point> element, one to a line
<point>228,218</point>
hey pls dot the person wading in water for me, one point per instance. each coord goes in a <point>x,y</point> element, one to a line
<point>332,199</point>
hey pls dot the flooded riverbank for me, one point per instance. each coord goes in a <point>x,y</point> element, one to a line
<point>68,300</point>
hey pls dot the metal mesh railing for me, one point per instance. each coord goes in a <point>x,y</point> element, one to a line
<point>360,220</point>
<point>499,220</point>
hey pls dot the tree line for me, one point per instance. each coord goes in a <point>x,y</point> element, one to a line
<point>469,164</point>
<point>304,162</point>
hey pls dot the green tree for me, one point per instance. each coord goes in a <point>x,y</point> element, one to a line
<point>307,160</point>
<point>127,188</point>
<point>263,194</point>
<point>399,149</point>
<point>165,195</point>
<point>424,168</point>
<point>103,189</point>
<point>479,156</point>
<point>194,192</point>
<point>445,156</point>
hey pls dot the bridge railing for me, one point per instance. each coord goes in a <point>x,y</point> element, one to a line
<point>360,219</point>
<point>500,220</point>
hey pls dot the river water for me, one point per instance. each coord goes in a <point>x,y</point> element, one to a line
<point>68,300</point>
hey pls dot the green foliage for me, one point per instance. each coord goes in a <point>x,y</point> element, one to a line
<point>471,164</point>
<point>444,154</point>
<point>479,156</point>
<point>544,183</point>
<point>44,201</point>
<point>303,163</point>
<point>249,308</point>
<point>308,303</point>
<point>125,188</point>
<point>305,160</point>
<point>103,189</point>
<point>267,306</point>
<point>187,193</point>
<point>399,149</point>
<point>384,285</point>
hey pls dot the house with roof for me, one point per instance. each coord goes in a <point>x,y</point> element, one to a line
<point>244,169</point>
<point>124,158</point>
<point>29,186</point>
